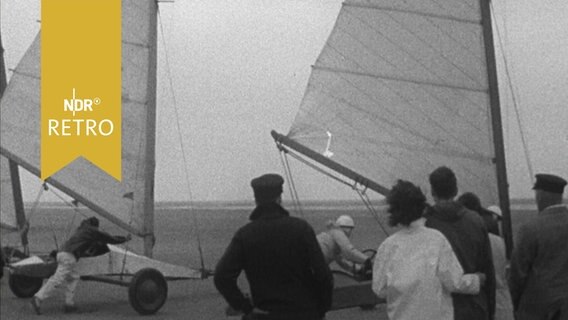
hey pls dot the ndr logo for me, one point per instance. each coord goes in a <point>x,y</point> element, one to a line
<point>79,105</point>
<point>80,127</point>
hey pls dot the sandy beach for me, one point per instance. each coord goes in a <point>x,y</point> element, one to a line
<point>176,230</point>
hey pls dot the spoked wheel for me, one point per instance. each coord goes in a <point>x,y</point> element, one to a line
<point>24,286</point>
<point>148,291</point>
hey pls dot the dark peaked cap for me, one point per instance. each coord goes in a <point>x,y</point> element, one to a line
<point>267,187</point>
<point>549,183</point>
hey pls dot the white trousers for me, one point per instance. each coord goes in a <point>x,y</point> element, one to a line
<point>65,276</point>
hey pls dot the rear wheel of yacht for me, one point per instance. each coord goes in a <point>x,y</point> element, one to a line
<point>148,291</point>
<point>24,286</point>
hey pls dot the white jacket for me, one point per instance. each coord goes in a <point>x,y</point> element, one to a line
<point>335,245</point>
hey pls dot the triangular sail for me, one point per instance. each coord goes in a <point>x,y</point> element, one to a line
<point>11,204</point>
<point>129,203</point>
<point>400,88</point>
<point>7,209</point>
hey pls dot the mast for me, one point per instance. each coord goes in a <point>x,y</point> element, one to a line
<point>149,237</point>
<point>368,183</point>
<point>14,173</point>
<point>3,82</point>
<point>497,127</point>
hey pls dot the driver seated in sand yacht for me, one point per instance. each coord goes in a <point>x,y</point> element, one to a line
<point>336,246</point>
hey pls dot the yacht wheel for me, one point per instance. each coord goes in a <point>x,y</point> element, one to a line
<point>148,291</point>
<point>24,286</point>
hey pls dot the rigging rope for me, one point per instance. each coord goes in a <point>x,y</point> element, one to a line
<point>183,153</point>
<point>291,185</point>
<point>75,209</point>
<point>34,208</point>
<point>372,210</point>
<point>36,202</point>
<point>35,205</point>
<point>52,227</point>
<point>362,194</point>
<point>513,96</point>
<point>311,165</point>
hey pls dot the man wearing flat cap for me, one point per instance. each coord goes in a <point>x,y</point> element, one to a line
<point>281,258</point>
<point>539,264</point>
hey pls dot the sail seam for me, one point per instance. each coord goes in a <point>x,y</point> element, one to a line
<point>413,12</point>
<point>387,77</point>
<point>343,101</point>
<point>25,74</point>
<point>464,97</point>
<point>330,94</point>
<point>136,44</point>
<point>404,50</point>
<point>358,150</point>
<point>440,53</point>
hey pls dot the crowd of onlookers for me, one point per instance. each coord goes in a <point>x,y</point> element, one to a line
<point>446,261</point>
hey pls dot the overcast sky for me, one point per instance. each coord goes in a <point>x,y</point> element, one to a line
<point>239,69</point>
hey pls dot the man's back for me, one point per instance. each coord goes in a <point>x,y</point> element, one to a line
<point>89,241</point>
<point>539,266</point>
<point>283,264</point>
<point>468,236</point>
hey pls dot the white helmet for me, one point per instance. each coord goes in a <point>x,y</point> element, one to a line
<point>496,210</point>
<point>345,221</point>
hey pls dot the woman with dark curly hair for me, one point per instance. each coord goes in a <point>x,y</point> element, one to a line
<point>416,269</point>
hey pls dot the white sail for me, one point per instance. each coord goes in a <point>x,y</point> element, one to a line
<point>129,203</point>
<point>400,88</point>
<point>8,220</point>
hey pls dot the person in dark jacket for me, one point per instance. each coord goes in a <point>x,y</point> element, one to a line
<point>539,263</point>
<point>469,239</point>
<point>287,274</point>
<point>503,302</point>
<point>471,201</point>
<point>87,241</point>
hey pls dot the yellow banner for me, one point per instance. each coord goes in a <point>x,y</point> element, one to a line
<point>81,84</point>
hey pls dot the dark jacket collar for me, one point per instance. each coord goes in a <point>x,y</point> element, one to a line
<point>268,211</point>
<point>446,211</point>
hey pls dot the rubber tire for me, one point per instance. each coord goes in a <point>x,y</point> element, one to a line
<point>24,286</point>
<point>147,291</point>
